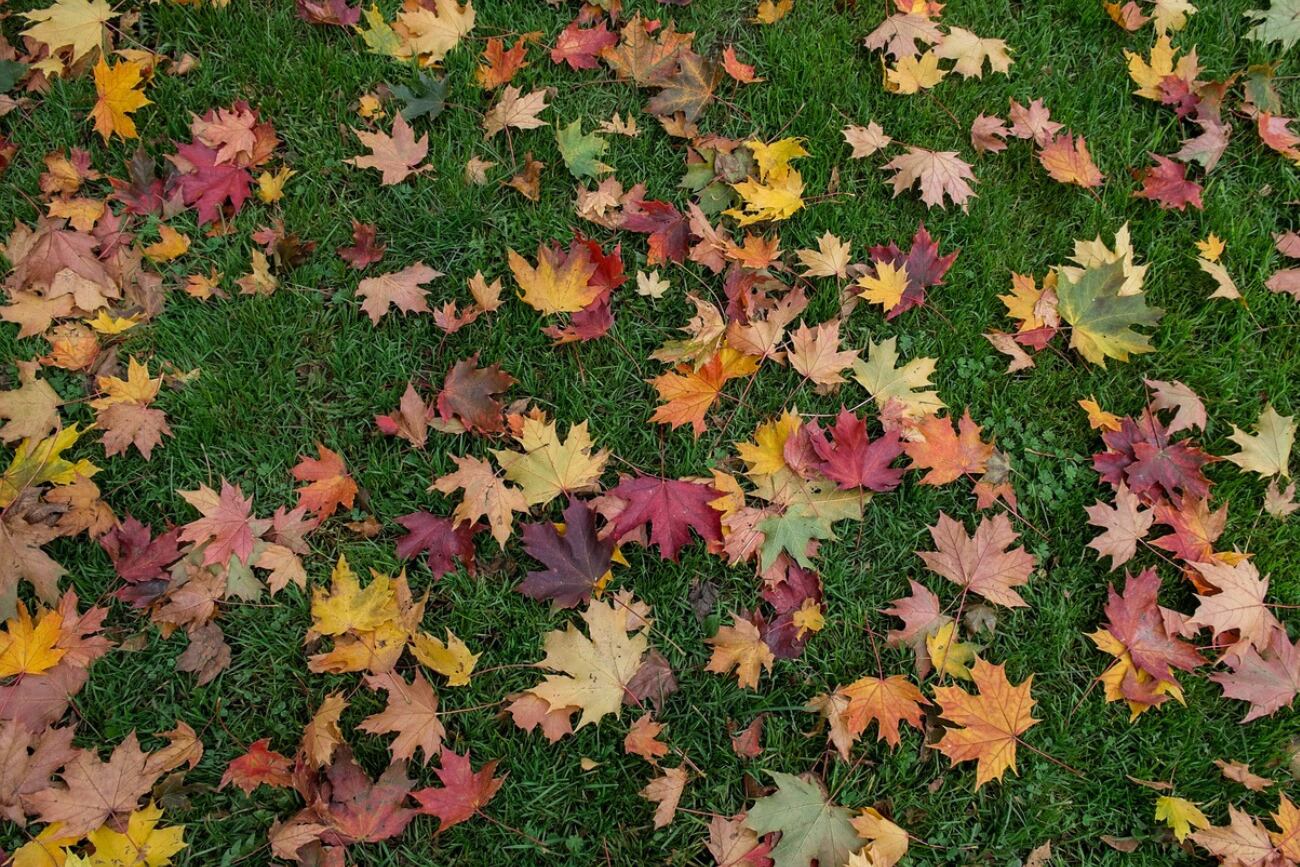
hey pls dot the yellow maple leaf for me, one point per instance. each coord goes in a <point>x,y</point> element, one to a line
<point>1098,418</point>
<point>777,200</point>
<point>772,11</point>
<point>171,244</point>
<point>948,655</point>
<point>81,26</point>
<point>428,33</point>
<point>912,74</point>
<point>595,670</point>
<point>1149,73</point>
<point>452,660</point>
<point>885,287</point>
<point>346,607</point>
<point>30,646</point>
<point>1211,248</point>
<point>774,159</point>
<point>987,725</point>
<point>1268,451</point>
<point>38,462</point>
<point>120,93</point>
<point>106,323</point>
<point>548,467</point>
<point>270,187</point>
<point>1180,814</point>
<point>766,454</point>
<point>138,388</point>
<point>559,283</point>
<point>143,844</point>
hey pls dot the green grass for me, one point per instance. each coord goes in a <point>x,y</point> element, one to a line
<point>280,373</point>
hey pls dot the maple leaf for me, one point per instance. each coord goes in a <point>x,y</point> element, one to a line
<point>991,721</point>
<point>329,485</point>
<point>1180,814</point>
<point>1067,160</point>
<point>596,670</point>
<point>1279,502</point>
<point>81,26</point>
<point>1189,410</point>
<point>899,34</point>
<point>577,562</point>
<point>913,74</point>
<point>31,411</point>
<point>689,89</point>
<point>1167,184</point>
<point>1279,23</point>
<point>500,65</point>
<point>95,791</point>
<point>988,134</point>
<point>948,453</point>
<point>737,69</point>
<point>1269,681</point>
<point>443,541</point>
<point>887,383</point>
<point>579,46</point>
<point>778,198</point>
<point>328,12</point>
<point>260,765</point>
<point>922,617</point>
<point>561,283</point>
<point>1244,840</point>
<point>937,173</point>
<point>1238,605</point>
<point>453,660</point>
<point>979,563</point>
<point>689,392</point>
<point>411,714</point>
<point>400,289</point>
<point>484,496</point>
<point>1239,772</point>
<point>227,528</point>
<point>29,647</point>
<point>816,353</point>
<point>118,97</point>
<point>1125,525</point>
<point>886,700</point>
<point>667,228</point>
<point>642,739</point>
<point>865,140</point>
<point>740,647</point>
<point>410,420</point>
<point>515,109</point>
<point>1102,316</point>
<point>396,156</point>
<point>851,459</point>
<point>428,32</point>
<point>142,843</point>
<point>665,791</point>
<point>208,184</point>
<point>1268,451</point>
<point>1138,623</point>
<point>830,259</point>
<point>811,827</point>
<point>671,507</point>
<point>971,52</point>
<point>468,395</point>
<point>922,264</point>
<point>547,467</point>
<point>1141,454</point>
<point>365,251</point>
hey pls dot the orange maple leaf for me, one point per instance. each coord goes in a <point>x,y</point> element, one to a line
<point>689,393</point>
<point>329,485</point>
<point>948,454</point>
<point>887,700</point>
<point>992,721</point>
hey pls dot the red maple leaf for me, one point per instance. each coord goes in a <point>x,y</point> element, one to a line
<point>206,184</point>
<point>444,541</point>
<point>668,229</point>
<point>227,526</point>
<point>578,46</point>
<point>359,811</point>
<point>671,507</point>
<point>140,560</point>
<point>781,634</point>
<point>1141,454</point>
<point>1167,185</point>
<point>260,765</point>
<point>334,12</point>
<point>467,395</point>
<point>1138,622</point>
<point>925,267</point>
<point>365,250</point>
<point>465,791</point>
<point>851,459</point>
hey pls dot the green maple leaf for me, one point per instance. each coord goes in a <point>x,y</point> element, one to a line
<point>791,532</point>
<point>1101,318</point>
<point>582,152</point>
<point>11,72</point>
<point>810,826</point>
<point>1279,23</point>
<point>426,98</point>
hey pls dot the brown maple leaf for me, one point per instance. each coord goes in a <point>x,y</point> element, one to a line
<point>400,289</point>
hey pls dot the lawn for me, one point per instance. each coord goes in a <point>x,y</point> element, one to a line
<point>274,375</point>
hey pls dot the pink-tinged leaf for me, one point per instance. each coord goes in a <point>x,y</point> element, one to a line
<point>1167,184</point>
<point>464,792</point>
<point>444,542</point>
<point>852,460</point>
<point>671,508</point>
